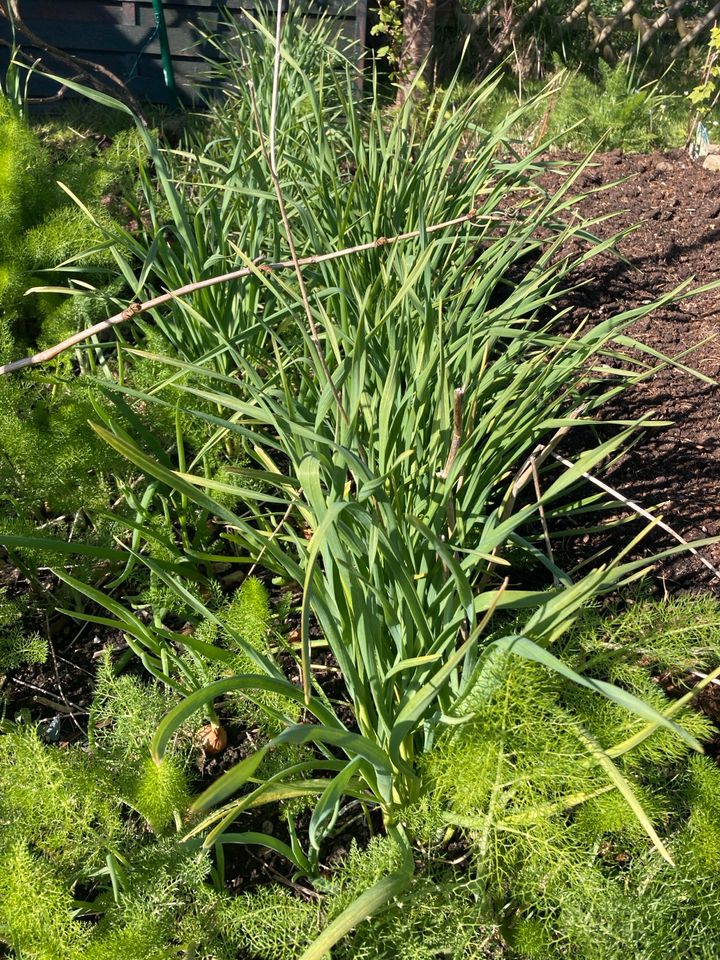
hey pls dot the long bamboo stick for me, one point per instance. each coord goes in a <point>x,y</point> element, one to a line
<point>627,10</point>
<point>575,13</point>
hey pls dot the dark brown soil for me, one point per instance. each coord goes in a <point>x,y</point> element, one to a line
<point>673,204</point>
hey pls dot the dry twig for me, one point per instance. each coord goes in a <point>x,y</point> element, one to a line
<point>641,511</point>
<point>135,309</point>
<point>543,518</point>
<point>113,82</point>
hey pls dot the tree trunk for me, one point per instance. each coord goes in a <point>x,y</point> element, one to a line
<point>416,62</point>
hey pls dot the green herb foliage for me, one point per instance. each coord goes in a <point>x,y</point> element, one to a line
<point>618,110</point>
<point>524,845</point>
<point>18,644</point>
<point>52,474</point>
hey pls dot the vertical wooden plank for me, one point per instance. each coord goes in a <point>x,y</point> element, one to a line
<point>129,10</point>
<point>361,9</point>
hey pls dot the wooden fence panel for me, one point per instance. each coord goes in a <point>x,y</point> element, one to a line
<point>534,31</point>
<point>120,34</point>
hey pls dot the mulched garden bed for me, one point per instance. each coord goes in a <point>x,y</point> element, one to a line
<point>674,206</point>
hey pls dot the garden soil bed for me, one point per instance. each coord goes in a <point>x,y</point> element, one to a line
<point>674,206</point>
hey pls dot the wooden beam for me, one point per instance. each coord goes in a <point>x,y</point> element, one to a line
<point>627,10</point>
<point>696,30</point>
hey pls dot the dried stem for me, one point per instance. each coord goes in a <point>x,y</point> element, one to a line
<point>115,83</point>
<point>536,459</point>
<point>543,518</point>
<point>276,530</point>
<point>271,160</point>
<point>641,511</point>
<point>458,404</point>
<point>526,472</point>
<point>704,676</point>
<point>135,309</point>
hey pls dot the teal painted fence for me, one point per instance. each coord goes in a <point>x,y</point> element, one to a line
<point>121,35</point>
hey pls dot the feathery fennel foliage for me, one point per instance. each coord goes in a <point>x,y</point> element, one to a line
<point>36,907</point>
<point>18,644</point>
<point>566,866</point>
<point>52,473</point>
<point>66,803</point>
<point>550,865</point>
<point>247,617</point>
<point>619,109</point>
